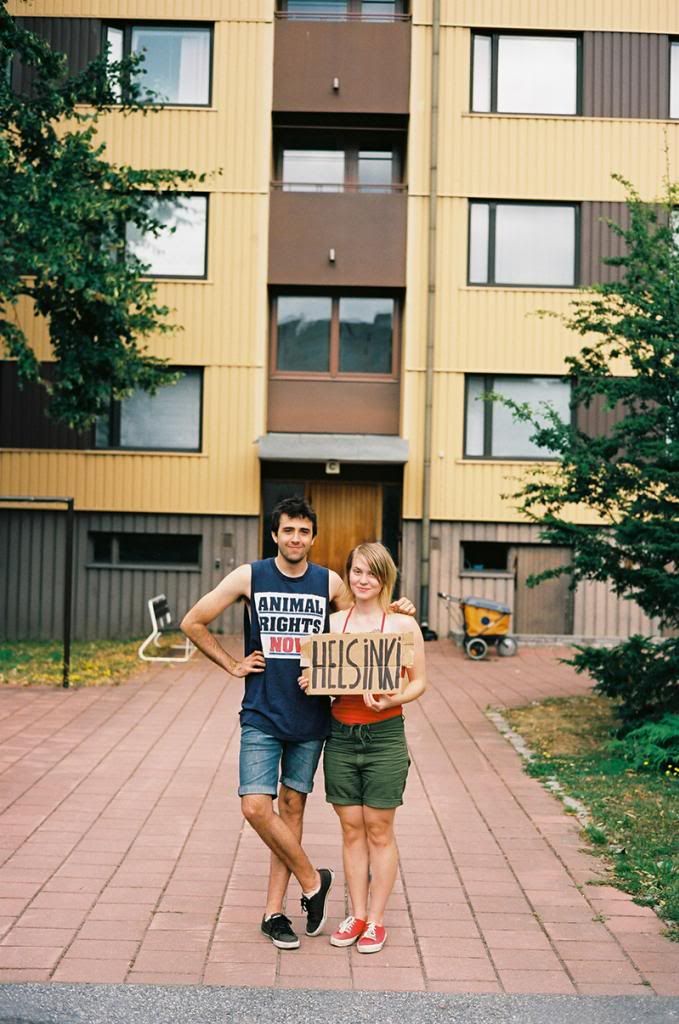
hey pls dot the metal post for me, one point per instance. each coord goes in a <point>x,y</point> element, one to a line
<point>68,592</point>
<point>428,633</point>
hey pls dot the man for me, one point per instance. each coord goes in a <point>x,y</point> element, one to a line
<point>282,730</point>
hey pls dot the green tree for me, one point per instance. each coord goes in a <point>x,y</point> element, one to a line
<point>629,477</point>
<point>63,211</point>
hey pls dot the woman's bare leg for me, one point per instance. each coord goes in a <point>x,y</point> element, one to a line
<point>355,857</point>
<point>383,856</point>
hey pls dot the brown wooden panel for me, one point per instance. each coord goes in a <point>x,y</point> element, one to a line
<point>23,415</point>
<point>349,514</point>
<point>598,241</point>
<point>545,609</point>
<point>626,74</point>
<point>597,420</point>
<point>334,406</point>
<point>370,61</point>
<point>366,231</point>
<point>79,38</point>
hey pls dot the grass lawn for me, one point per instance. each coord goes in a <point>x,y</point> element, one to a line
<point>93,663</point>
<point>634,815</point>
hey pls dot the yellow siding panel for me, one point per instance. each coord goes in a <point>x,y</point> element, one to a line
<point>493,329</point>
<point>231,140</point>
<point>571,15</point>
<point>419,127</point>
<point>224,478</point>
<point>517,156</point>
<point>412,415</point>
<point>170,10</point>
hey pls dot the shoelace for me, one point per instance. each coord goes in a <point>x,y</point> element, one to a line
<point>370,932</point>
<point>347,924</point>
<point>305,903</point>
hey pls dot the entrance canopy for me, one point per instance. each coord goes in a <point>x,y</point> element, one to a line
<point>373,448</point>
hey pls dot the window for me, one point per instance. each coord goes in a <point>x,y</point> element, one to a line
<point>490,429</point>
<point>333,335</point>
<point>148,549</point>
<point>177,59</point>
<point>674,78</point>
<point>322,163</point>
<point>341,10</point>
<point>525,74</point>
<point>180,247</point>
<point>170,420</point>
<point>484,556</point>
<point>523,244</point>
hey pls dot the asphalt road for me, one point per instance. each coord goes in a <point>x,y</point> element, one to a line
<point>152,1004</point>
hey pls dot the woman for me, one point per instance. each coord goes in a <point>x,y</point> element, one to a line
<point>366,758</point>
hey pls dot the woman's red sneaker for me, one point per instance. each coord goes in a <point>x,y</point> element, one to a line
<point>372,939</point>
<point>348,931</point>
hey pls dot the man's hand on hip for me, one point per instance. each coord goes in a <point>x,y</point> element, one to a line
<point>255,662</point>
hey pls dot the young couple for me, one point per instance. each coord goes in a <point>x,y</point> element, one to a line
<point>283,730</point>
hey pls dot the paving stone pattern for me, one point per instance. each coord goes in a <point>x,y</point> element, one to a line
<point>125,858</point>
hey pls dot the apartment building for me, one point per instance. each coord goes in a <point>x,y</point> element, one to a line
<point>401,185</point>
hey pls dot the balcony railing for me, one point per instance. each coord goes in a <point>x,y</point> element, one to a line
<point>334,189</point>
<point>313,10</point>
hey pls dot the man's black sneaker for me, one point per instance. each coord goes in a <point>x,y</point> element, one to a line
<point>279,929</point>
<point>315,906</point>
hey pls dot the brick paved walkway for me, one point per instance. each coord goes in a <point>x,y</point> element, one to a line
<point>125,858</point>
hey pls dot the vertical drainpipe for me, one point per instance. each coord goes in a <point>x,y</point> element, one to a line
<point>431,325</point>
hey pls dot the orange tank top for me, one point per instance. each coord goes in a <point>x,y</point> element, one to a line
<point>351,710</point>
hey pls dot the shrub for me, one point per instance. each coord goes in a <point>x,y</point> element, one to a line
<point>652,747</point>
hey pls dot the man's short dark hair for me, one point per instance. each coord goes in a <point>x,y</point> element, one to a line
<point>295,508</point>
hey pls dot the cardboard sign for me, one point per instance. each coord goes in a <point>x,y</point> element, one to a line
<point>337,663</point>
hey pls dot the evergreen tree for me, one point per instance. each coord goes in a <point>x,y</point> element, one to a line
<point>63,211</point>
<point>627,480</point>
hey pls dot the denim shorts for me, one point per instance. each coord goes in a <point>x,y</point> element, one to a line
<point>264,759</point>
<point>366,765</point>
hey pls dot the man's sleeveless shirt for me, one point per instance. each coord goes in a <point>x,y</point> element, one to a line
<point>283,610</point>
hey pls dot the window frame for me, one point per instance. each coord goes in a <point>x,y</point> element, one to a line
<point>149,275</point>
<point>674,42</point>
<point>492,205</point>
<point>350,143</point>
<point>494,35</point>
<point>127,26</point>
<point>488,386</point>
<point>334,373</point>
<point>114,421</point>
<point>117,564</point>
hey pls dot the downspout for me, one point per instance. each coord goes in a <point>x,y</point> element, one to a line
<point>428,633</point>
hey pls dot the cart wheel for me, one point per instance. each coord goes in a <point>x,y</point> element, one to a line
<point>507,647</point>
<point>476,648</point>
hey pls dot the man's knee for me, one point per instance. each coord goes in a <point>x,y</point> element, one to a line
<point>257,808</point>
<point>291,803</point>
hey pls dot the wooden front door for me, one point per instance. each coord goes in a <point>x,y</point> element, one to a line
<point>348,514</point>
<point>547,608</point>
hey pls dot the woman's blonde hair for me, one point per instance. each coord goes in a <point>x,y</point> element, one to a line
<point>381,565</point>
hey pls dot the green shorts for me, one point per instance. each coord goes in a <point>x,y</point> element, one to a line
<point>366,765</point>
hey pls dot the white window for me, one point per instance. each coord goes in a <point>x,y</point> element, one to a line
<point>170,419</point>
<point>674,79</point>
<point>177,59</point>
<point>490,428</point>
<point>180,247</point>
<point>313,170</point>
<point>525,74</point>
<point>522,244</point>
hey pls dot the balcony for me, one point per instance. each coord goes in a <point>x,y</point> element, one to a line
<point>348,238</point>
<point>342,67</point>
<point>334,406</point>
